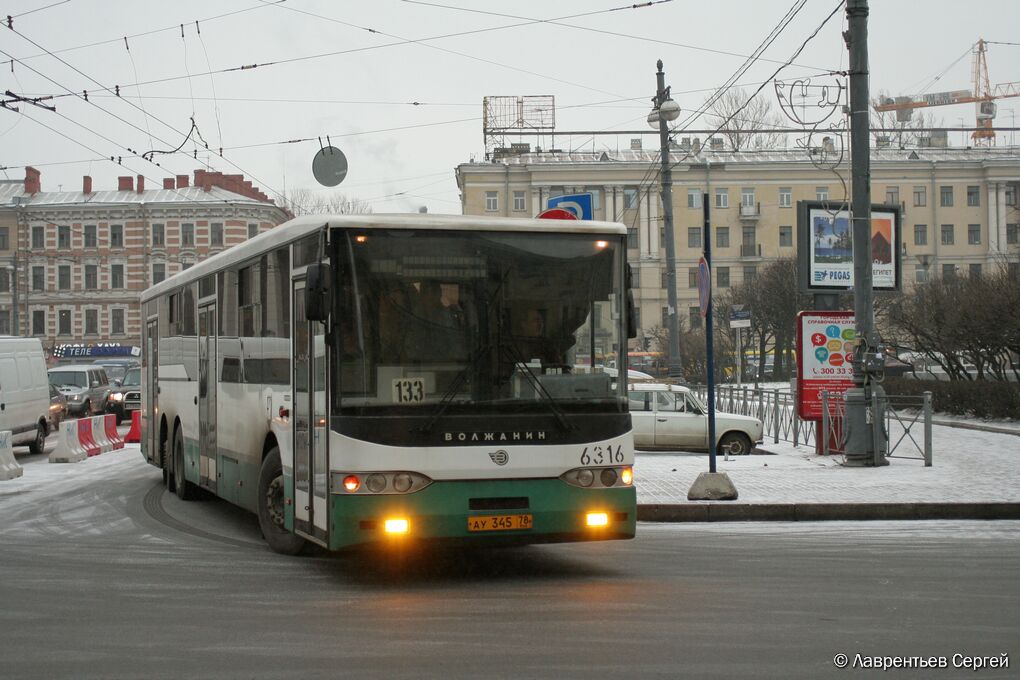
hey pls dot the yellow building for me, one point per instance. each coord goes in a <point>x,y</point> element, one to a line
<point>960,208</point>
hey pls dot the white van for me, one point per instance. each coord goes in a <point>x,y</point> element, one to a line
<point>24,391</point>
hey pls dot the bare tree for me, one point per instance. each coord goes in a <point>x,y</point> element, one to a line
<point>746,127</point>
<point>309,202</point>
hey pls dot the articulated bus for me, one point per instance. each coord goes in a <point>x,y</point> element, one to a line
<point>360,380</point>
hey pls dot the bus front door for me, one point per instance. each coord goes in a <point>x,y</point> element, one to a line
<point>207,396</point>
<point>310,423</point>
<point>151,402</point>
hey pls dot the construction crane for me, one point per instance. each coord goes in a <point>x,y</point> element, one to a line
<point>983,96</point>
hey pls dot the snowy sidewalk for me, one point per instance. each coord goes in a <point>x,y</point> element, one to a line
<point>973,468</point>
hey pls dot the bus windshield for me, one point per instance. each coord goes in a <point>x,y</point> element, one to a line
<point>473,322</point>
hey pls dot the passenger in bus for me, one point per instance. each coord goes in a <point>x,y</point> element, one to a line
<point>531,338</point>
<point>437,332</point>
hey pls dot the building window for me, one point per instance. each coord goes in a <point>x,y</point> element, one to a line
<point>975,271</point>
<point>785,197</point>
<point>1010,194</point>
<point>694,237</point>
<point>64,322</point>
<point>64,277</point>
<point>1014,270</point>
<point>821,193</point>
<point>920,234</point>
<point>38,322</point>
<point>91,277</point>
<point>892,195</point>
<point>5,282</point>
<point>63,237</point>
<point>117,322</point>
<point>973,196</point>
<point>253,230</point>
<point>946,197</point>
<point>632,237</point>
<point>186,265</point>
<point>90,236</point>
<point>747,197</point>
<point>722,198</point>
<point>519,203</point>
<point>748,243</point>
<point>786,237</point>
<point>116,235</point>
<point>694,316</point>
<point>973,234</point>
<point>91,322</point>
<point>38,278</point>
<point>5,238</point>
<point>5,322</point>
<point>920,275</point>
<point>722,237</point>
<point>158,272</point>
<point>947,235</point>
<point>694,198</point>
<point>664,317</point>
<point>629,199</point>
<point>38,237</point>
<point>1013,234</point>
<point>491,201</point>
<point>158,235</point>
<point>187,234</point>
<point>920,197</point>
<point>692,277</point>
<point>216,235</point>
<point>948,271</point>
<point>117,276</point>
<point>750,271</point>
<point>722,277</point>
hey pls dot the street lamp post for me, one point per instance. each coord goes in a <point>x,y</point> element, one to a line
<point>664,110</point>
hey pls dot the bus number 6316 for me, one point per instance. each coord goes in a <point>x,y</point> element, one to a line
<point>599,455</point>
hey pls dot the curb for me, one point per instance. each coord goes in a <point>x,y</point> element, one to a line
<point>979,428</point>
<point>821,512</point>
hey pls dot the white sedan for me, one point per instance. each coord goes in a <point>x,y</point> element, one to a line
<point>673,417</point>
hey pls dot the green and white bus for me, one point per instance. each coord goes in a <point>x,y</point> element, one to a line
<point>370,379</point>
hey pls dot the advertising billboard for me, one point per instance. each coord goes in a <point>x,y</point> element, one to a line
<point>825,247</point>
<point>825,347</point>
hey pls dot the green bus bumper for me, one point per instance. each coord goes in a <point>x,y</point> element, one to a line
<point>442,511</point>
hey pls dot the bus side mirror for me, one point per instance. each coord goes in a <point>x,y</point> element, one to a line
<point>318,278</point>
<point>631,309</point>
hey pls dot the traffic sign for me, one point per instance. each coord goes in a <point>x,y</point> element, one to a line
<point>579,204</point>
<point>704,286</point>
<point>556,214</point>
<point>740,318</point>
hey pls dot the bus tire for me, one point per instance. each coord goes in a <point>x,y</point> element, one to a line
<point>185,490</point>
<point>271,507</point>
<point>736,443</point>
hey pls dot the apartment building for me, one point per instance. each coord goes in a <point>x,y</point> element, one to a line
<point>73,263</point>
<point>960,208</point>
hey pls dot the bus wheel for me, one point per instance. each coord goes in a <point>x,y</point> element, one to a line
<point>185,490</point>
<point>271,507</point>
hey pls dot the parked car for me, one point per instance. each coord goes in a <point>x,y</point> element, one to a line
<point>86,387</point>
<point>126,397</point>
<point>674,417</point>
<point>24,394</point>
<point>117,368</point>
<point>58,408</point>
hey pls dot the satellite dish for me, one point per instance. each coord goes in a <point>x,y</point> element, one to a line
<point>329,166</point>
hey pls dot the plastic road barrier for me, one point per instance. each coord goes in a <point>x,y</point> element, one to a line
<point>85,437</point>
<point>69,449</point>
<point>134,435</point>
<point>99,434</point>
<point>110,427</point>
<point>9,468</point>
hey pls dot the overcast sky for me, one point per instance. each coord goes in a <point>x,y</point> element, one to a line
<point>333,77</point>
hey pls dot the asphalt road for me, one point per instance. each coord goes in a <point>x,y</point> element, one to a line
<point>105,575</point>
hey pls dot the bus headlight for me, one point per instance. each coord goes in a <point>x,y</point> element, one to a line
<point>371,483</point>
<point>599,478</point>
